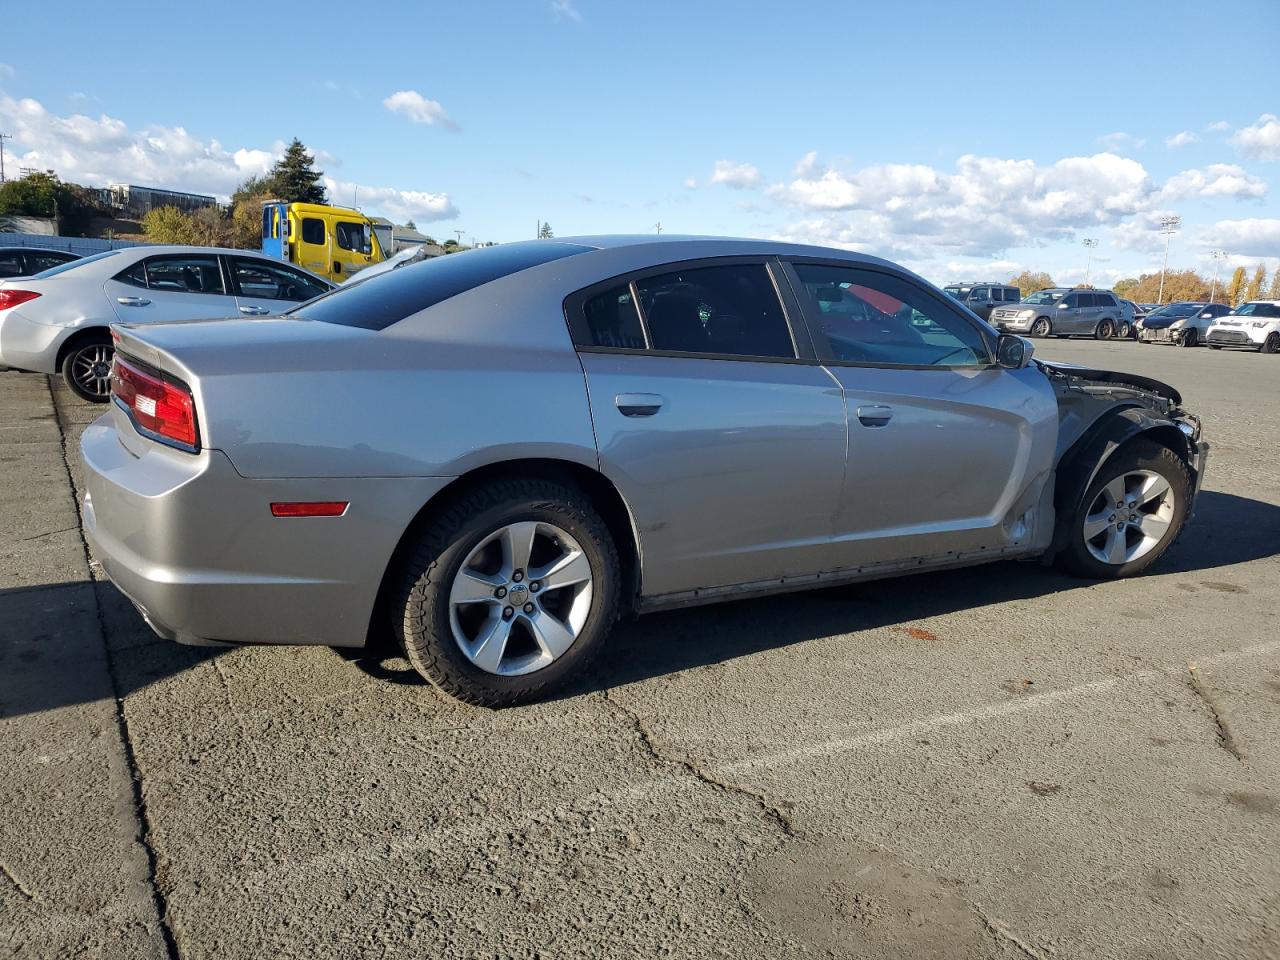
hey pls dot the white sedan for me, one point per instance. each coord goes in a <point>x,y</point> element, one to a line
<point>59,321</point>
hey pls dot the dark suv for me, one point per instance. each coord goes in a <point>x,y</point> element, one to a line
<point>982,298</point>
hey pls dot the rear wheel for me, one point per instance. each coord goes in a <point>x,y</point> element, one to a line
<point>87,367</point>
<point>1131,513</point>
<point>1271,344</point>
<point>509,594</point>
<point>1042,327</point>
<point>1105,330</point>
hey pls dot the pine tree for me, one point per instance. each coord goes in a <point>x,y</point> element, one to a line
<point>1254,290</point>
<point>1235,288</point>
<point>544,232</point>
<point>295,179</point>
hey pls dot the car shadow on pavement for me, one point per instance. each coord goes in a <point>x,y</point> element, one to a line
<point>1227,530</point>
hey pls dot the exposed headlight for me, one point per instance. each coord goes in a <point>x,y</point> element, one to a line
<point>1177,325</point>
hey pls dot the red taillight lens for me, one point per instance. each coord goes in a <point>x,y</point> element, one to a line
<point>159,407</point>
<point>313,508</point>
<point>11,298</point>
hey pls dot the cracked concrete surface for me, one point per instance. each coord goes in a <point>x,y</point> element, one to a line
<point>848,773</point>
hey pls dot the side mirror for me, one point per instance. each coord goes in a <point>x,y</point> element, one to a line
<point>1013,352</point>
<point>1206,315</point>
<point>1062,304</point>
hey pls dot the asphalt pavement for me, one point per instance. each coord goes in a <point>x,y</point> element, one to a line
<point>999,762</point>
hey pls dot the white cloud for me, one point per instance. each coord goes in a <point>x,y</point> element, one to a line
<point>1119,140</point>
<point>737,176</point>
<point>399,205</point>
<point>102,150</point>
<point>1256,237</point>
<point>1260,140</point>
<point>8,70</point>
<point>419,109</point>
<point>1218,126</point>
<point>565,10</point>
<point>690,183</point>
<point>1215,180</point>
<point>1180,139</point>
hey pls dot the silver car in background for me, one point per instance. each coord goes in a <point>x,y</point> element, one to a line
<point>1062,312</point>
<point>500,452</point>
<point>58,321</point>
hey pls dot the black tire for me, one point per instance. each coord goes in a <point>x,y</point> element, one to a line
<point>1213,346</point>
<point>1189,338</point>
<point>1075,556</point>
<point>1042,327</point>
<point>1125,332</point>
<point>1271,344</point>
<point>1105,330</point>
<point>420,601</point>
<point>82,363</point>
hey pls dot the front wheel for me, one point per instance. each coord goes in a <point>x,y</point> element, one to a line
<point>1126,331</point>
<point>1131,513</point>
<point>1271,344</point>
<point>509,594</point>
<point>87,368</point>
<point>1105,330</point>
<point>1189,338</point>
<point>1042,327</point>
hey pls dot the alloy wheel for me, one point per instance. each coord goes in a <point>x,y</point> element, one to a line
<point>520,599</point>
<point>1129,517</point>
<point>1040,328</point>
<point>91,368</point>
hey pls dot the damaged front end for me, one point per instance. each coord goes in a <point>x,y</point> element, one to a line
<point>1101,410</point>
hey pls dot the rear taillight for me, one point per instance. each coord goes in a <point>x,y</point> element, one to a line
<point>11,298</point>
<point>159,407</point>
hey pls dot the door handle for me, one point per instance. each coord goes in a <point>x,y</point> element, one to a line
<point>638,404</point>
<point>133,301</point>
<point>255,311</point>
<point>875,415</point>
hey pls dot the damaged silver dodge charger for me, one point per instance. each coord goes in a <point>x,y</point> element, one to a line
<point>499,452</point>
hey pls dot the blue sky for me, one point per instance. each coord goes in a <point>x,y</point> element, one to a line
<point>966,140</point>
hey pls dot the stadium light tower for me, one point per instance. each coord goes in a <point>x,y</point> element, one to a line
<point>1089,244</point>
<point>1218,257</point>
<point>1168,226</point>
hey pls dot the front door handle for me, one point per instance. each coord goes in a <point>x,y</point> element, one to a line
<point>255,311</point>
<point>133,301</point>
<point>638,404</point>
<point>875,415</point>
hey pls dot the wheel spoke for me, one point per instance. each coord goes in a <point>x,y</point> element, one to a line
<point>1153,487</point>
<point>1115,491</point>
<point>472,586</point>
<point>1152,525</point>
<point>517,544</point>
<point>1117,546</point>
<point>566,571</point>
<point>491,645</point>
<point>1096,524</point>
<point>551,635</point>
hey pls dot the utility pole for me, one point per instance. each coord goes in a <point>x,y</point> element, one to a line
<point>658,226</point>
<point>3,138</point>
<point>1218,257</point>
<point>1168,226</point>
<point>1089,244</point>
<point>459,234</point>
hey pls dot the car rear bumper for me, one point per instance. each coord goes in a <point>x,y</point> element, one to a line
<point>194,545</point>
<point>27,345</point>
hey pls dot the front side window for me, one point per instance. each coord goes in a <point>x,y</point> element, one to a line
<point>1256,308</point>
<point>877,318</point>
<point>980,293</point>
<point>194,274</point>
<point>271,281</point>
<point>350,236</point>
<point>611,320</point>
<point>1043,297</point>
<point>312,230</point>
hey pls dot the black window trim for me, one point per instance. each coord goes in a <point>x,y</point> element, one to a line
<point>233,283</point>
<point>819,340</point>
<point>801,343</point>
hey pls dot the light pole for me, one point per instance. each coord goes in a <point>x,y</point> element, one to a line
<point>1089,244</point>
<point>1218,257</point>
<point>1168,226</point>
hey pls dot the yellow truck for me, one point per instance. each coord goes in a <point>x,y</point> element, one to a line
<point>332,242</point>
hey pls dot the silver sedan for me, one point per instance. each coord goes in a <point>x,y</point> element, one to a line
<point>500,452</point>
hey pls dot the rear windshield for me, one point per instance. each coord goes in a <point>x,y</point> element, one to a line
<point>72,265</point>
<point>380,301</point>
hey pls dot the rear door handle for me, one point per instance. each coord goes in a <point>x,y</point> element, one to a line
<point>638,404</point>
<point>875,415</point>
<point>255,311</point>
<point>133,301</point>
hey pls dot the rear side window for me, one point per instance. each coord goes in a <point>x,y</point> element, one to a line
<point>612,320</point>
<point>11,263</point>
<point>195,274</point>
<point>312,230</point>
<point>729,311</point>
<point>74,264</point>
<point>1012,294</point>
<point>380,301</point>
<point>1105,299</point>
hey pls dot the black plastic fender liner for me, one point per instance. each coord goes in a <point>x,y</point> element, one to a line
<point>1158,387</point>
<point>1080,464</point>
